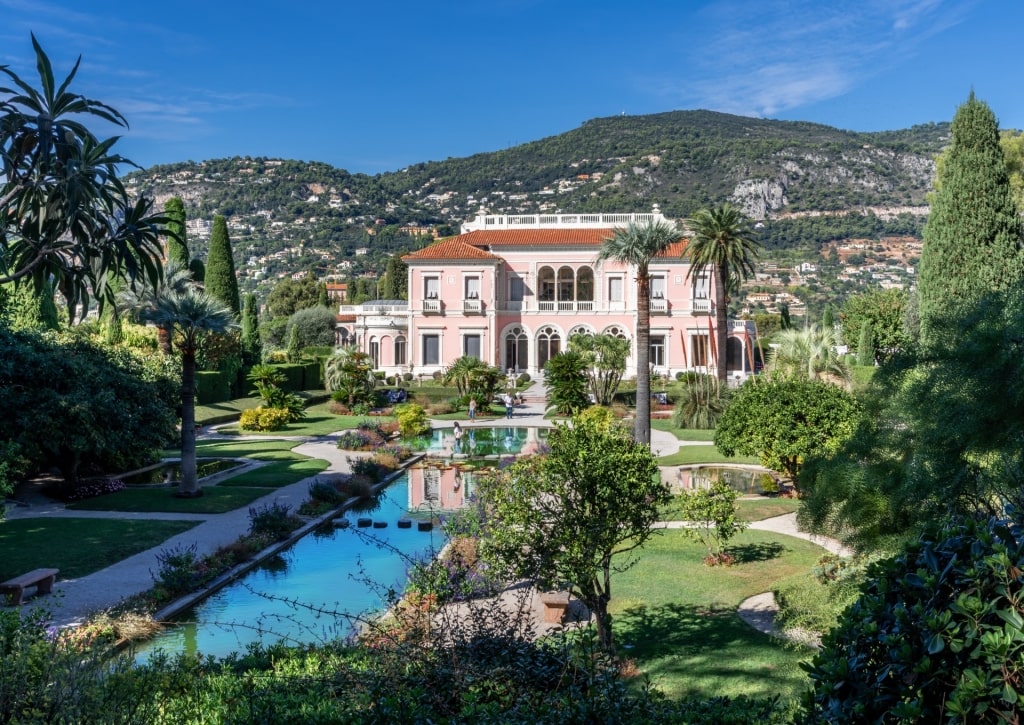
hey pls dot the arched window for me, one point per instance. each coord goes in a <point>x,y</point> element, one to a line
<point>549,344</point>
<point>546,285</point>
<point>581,330</point>
<point>616,331</point>
<point>734,355</point>
<point>342,336</point>
<point>400,350</point>
<point>375,352</point>
<point>517,350</point>
<point>566,284</point>
<point>585,284</point>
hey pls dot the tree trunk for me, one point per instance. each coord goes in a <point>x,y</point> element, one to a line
<point>642,428</point>
<point>721,324</point>
<point>189,486</point>
<point>163,336</point>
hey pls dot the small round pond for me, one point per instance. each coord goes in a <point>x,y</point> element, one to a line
<point>482,442</point>
<point>748,480</point>
<point>346,570</point>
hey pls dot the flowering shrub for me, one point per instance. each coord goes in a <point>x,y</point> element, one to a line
<point>180,570</point>
<point>367,467</point>
<point>95,488</point>
<point>274,520</point>
<point>358,440</point>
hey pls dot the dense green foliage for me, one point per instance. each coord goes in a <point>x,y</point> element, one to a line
<point>221,280</point>
<point>712,515</point>
<point>250,340</point>
<point>348,374</point>
<point>572,516</point>
<point>312,327</point>
<point>79,407</point>
<point>936,635</point>
<point>786,420</point>
<point>972,242</point>
<point>885,311</point>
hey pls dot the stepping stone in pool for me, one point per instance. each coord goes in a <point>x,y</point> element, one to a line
<point>341,523</point>
<point>380,524</point>
<point>424,526</point>
<point>404,524</point>
<point>363,523</point>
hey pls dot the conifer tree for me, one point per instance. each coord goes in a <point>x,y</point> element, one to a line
<point>866,345</point>
<point>322,298</point>
<point>177,244</point>
<point>221,282</point>
<point>972,241</point>
<point>250,330</point>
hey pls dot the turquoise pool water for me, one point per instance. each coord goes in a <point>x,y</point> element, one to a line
<point>477,442</point>
<point>344,570</point>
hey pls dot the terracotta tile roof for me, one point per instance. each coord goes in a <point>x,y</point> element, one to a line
<point>675,250</point>
<point>345,318</point>
<point>451,248</point>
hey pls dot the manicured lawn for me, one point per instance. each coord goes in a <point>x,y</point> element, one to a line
<point>748,509</point>
<point>319,421</point>
<point>215,500</point>
<point>677,617</point>
<point>276,474</point>
<point>231,409</point>
<point>702,454</point>
<point>683,434</point>
<point>263,450</point>
<point>78,546</point>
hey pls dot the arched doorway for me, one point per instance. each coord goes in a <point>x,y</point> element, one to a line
<point>517,350</point>
<point>549,344</point>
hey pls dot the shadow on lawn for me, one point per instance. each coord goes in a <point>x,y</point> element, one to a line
<point>689,650</point>
<point>758,551</point>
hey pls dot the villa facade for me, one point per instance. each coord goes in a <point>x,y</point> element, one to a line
<point>512,290</point>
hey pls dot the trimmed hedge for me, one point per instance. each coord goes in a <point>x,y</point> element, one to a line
<point>212,386</point>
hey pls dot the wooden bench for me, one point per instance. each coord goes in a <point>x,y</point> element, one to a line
<point>43,580</point>
<point>555,606</point>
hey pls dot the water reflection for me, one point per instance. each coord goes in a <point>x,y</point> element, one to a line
<point>743,480</point>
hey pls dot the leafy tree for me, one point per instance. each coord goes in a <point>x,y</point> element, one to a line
<point>221,280</point>
<point>604,358</point>
<point>1012,143</point>
<point>724,244</point>
<point>712,514</point>
<point>177,242</point>
<point>349,375</point>
<point>810,353</point>
<point>289,296</point>
<point>886,310</point>
<point>572,517</point>
<point>972,241</point>
<point>313,327</point>
<point>566,380</point>
<point>192,314</point>
<point>251,330</point>
<point>636,245</point>
<point>396,279</point>
<point>65,216</point>
<point>935,635</point>
<point>786,420</point>
<point>31,308</point>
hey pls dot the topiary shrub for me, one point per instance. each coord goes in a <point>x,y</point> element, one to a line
<point>937,634</point>
<point>523,379</point>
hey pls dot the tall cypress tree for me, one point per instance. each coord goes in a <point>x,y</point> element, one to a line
<point>250,330</point>
<point>972,241</point>
<point>221,281</point>
<point>177,244</point>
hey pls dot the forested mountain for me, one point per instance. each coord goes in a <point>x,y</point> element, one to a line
<point>314,216</point>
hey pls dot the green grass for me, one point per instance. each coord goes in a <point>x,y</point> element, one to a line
<point>683,434</point>
<point>747,509</point>
<point>230,409</point>
<point>687,455</point>
<point>78,546</point>
<point>677,617</point>
<point>276,474</point>
<point>215,500</point>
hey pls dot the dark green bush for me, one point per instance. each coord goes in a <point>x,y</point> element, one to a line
<point>212,386</point>
<point>274,520</point>
<point>937,634</point>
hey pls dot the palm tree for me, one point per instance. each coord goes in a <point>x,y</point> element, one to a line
<point>723,242</point>
<point>175,280</point>
<point>809,353</point>
<point>636,245</point>
<point>191,314</point>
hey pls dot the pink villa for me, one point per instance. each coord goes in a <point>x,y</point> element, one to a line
<point>511,291</point>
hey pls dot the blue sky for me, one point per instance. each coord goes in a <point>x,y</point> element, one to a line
<point>375,86</point>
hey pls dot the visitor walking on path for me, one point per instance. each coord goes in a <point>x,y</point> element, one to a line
<point>508,405</point>
<point>472,408</point>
